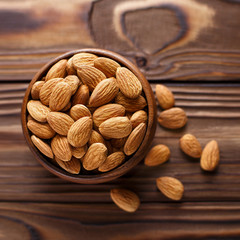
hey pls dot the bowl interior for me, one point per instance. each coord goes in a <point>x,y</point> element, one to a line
<point>127,165</point>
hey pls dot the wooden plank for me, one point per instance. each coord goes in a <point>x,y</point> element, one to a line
<point>106,221</point>
<point>167,39</point>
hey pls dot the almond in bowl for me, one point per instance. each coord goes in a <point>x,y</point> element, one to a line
<point>92,116</point>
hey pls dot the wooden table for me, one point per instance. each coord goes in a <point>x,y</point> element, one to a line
<point>191,46</point>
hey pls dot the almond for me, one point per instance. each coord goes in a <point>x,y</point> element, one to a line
<point>79,152</point>
<point>36,87</point>
<point>112,161</point>
<point>41,130</point>
<point>138,117</point>
<point>81,96</point>
<point>104,92</point>
<point>109,147</point>
<point>73,166</point>
<point>37,110</point>
<point>43,147</point>
<point>90,76</point>
<point>47,89</point>
<point>128,83</point>
<point>60,122</point>
<point>67,107</point>
<point>95,138</point>
<point>159,154</point>
<point>106,65</point>
<point>135,139</point>
<point>81,59</point>
<point>78,111</point>
<point>125,199</point>
<point>116,127</point>
<point>95,156</point>
<point>58,70</point>
<point>80,132</point>
<point>60,96</point>
<point>118,143</point>
<point>107,111</point>
<point>70,68</point>
<point>73,81</point>
<point>173,118</point>
<point>61,148</point>
<point>131,105</point>
<point>210,156</point>
<point>164,96</point>
<point>191,146</point>
<point>170,187</point>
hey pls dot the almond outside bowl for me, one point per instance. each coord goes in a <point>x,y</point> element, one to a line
<point>127,165</point>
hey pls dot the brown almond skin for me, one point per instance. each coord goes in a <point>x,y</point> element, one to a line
<point>104,92</point>
<point>138,117</point>
<point>173,118</point>
<point>95,138</point>
<point>81,59</point>
<point>61,148</point>
<point>36,89</point>
<point>128,83</point>
<point>43,147</point>
<point>58,70</point>
<point>47,89</point>
<point>81,96</point>
<point>107,66</point>
<point>118,143</point>
<point>41,130</point>
<point>73,166</point>
<point>80,132</point>
<point>95,156</point>
<point>70,68</point>
<point>190,146</point>
<point>135,139</point>
<point>112,161</point>
<point>67,107</point>
<point>159,154</point>
<point>78,111</point>
<point>131,105</point>
<point>60,96</point>
<point>107,111</point>
<point>60,122</point>
<point>170,187</point>
<point>125,199</point>
<point>90,76</point>
<point>79,152</point>
<point>210,156</point>
<point>73,81</point>
<point>116,127</point>
<point>37,110</point>
<point>164,96</point>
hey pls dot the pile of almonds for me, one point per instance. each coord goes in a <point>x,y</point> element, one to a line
<point>171,118</point>
<point>87,111</point>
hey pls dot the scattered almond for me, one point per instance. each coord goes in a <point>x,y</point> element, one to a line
<point>159,154</point>
<point>125,199</point>
<point>164,96</point>
<point>107,66</point>
<point>80,132</point>
<point>95,156</point>
<point>60,122</point>
<point>173,118</point>
<point>116,127</point>
<point>61,148</point>
<point>78,111</point>
<point>135,139</point>
<point>210,156</point>
<point>41,130</point>
<point>170,187</point>
<point>43,147</point>
<point>36,89</point>
<point>128,83</point>
<point>58,70</point>
<point>138,117</point>
<point>37,110</point>
<point>191,146</point>
<point>73,166</point>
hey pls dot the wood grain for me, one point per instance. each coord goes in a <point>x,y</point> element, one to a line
<point>168,39</point>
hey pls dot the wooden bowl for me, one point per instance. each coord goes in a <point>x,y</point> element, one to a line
<point>126,166</point>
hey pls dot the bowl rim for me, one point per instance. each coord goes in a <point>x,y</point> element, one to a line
<point>135,158</point>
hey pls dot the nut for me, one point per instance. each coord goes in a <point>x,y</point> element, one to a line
<point>164,96</point>
<point>191,146</point>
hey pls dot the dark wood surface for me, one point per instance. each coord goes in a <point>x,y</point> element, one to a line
<point>191,46</point>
